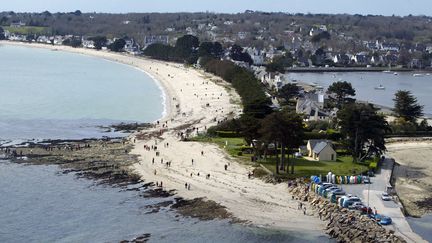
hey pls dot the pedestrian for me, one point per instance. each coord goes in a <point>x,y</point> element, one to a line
<point>202,152</point>
<point>188,186</point>
<point>191,174</point>
<point>226,167</point>
<point>157,184</point>
<point>161,160</point>
<point>153,161</point>
<point>304,210</point>
<point>155,172</point>
<point>192,161</point>
<point>320,215</point>
<point>161,184</point>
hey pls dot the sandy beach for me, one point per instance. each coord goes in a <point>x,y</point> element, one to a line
<point>195,100</point>
<point>413,183</point>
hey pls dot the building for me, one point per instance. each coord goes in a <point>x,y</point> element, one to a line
<point>311,105</point>
<point>153,39</point>
<point>17,24</point>
<point>321,150</point>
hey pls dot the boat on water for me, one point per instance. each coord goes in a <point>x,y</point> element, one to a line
<point>380,87</point>
<point>418,75</point>
<point>386,71</point>
<point>395,73</point>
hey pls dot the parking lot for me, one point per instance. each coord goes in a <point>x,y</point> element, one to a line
<point>371,194</point>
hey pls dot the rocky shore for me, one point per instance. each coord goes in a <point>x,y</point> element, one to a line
<point>342,224</point>
<point>108,161</point>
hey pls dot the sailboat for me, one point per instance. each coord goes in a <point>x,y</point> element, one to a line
<point>380,87</point>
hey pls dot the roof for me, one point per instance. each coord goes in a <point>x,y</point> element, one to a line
<point>319,147</point>
<point>314,142</point>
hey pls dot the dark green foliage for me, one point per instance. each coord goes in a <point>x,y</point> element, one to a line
<point>285,129</point>
<point>99,41</point>
<point>185,50</point>
<point>249,126</point>
<point>210,49</point>
<point>289,91</point>
<point>250,89</point>
<point>237,54</point>
<point>279,64</point>
<point>321,36</point>
<point>118,45</point>
<point>406,106</point>
<point>342,91</point>
<point>363,130</point>
<point>2,36</point>
<point>160,51</point>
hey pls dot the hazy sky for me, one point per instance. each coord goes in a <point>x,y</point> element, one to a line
<point>381,7</point>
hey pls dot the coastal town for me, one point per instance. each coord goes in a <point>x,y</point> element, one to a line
<point>241,141</point>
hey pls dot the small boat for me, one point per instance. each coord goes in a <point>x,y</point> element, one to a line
<point>386,71</point>
<point>380,87</point>
<point>418,75</point>
<point>395,73</point>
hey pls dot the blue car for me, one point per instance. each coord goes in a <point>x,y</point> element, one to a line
<point>381,219</point>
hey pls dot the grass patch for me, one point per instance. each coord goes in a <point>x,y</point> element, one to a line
<point>233,146</point>
<point>306,168</point>
<point>26,30</point>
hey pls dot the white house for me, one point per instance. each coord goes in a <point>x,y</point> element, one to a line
<point>321,150</point>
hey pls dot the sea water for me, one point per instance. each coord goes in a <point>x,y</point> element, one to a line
<point>41,204</point>
<point>365,83</point>
<point>54,94</point>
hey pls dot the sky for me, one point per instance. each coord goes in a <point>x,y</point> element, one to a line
<point>378,7</point>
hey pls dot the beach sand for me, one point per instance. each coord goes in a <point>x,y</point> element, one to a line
<point>414,175</point>
<point>196,99</point>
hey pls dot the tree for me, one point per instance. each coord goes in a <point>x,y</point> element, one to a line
<point>99,41</point>
<point>280,63</point>
<point>341,90</point>
<point>285,129</point>
<point>2,36</point>
<point>288,91</point>
<point>210,49</point>
<point>118,45</point>
<point>406,106</point>
<point>186,48</point>
<point>237,54</point>
<point>363,129</point>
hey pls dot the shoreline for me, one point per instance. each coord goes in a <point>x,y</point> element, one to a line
<point>196,101</point>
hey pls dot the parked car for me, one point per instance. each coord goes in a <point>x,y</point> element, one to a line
<point>366,180</point>
<point>385,220</point>
<point>356,205</point>
<point>381,219</point>
<point>386,197</point>
<point>350,201</point>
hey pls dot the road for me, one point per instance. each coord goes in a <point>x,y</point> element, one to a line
<point>371,194</point>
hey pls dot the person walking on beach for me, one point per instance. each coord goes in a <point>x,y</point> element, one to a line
<point>304,210</point>
<point>226,167</point>
<point>192,161</point>
<point>202,153</point>
<point>161,184</point>
<point>188,187</point>
<point>153,161</point>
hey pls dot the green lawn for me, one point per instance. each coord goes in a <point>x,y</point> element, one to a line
<point>25,30</point>
<point>231,145</point>
<point>306,168</point>
<point>303,167</point>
